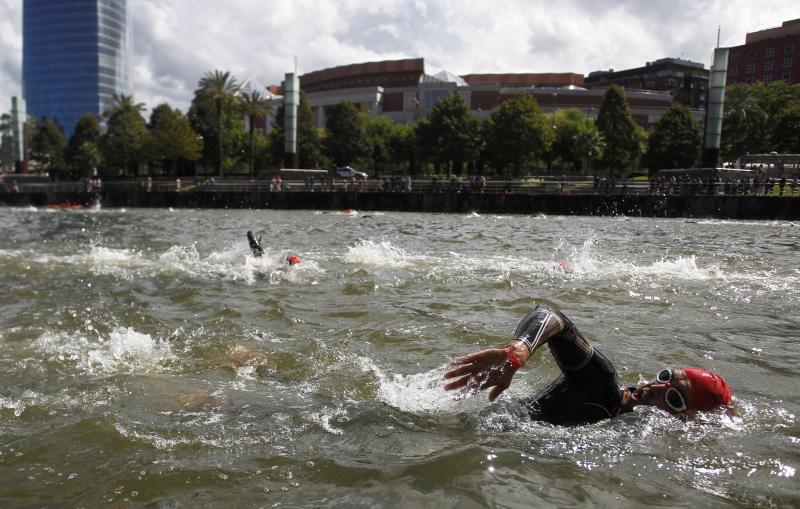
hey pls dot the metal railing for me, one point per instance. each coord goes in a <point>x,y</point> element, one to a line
<point>530,186</point>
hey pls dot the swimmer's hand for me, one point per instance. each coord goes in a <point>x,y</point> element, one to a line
<point>484,369</point>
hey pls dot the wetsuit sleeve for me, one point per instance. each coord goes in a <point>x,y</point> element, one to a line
<point>544,325</point>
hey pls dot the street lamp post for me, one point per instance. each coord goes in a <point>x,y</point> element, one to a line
<point>200,140</point>
<point>553,123</point>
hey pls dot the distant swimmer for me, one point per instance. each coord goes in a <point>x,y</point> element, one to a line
<point>588,390</point>
<point>255,243</point>
<point>293,260</point>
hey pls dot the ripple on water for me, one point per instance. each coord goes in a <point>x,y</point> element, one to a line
<point>148,352</point>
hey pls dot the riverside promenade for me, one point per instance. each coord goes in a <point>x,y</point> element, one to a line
<point>553,197</point>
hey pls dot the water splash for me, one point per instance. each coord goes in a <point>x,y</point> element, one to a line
<point>380,254</point>
<point>124,350</point>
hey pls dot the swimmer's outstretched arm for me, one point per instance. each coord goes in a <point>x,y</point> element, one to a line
<point>494,368</point>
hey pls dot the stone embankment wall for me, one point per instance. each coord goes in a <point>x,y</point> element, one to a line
<point>731,207</point>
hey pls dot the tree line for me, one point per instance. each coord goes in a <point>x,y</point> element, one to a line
<point>222,133</point>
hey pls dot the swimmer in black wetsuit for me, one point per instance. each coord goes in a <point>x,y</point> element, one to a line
<point>588,390</point>
<point>254,239</point>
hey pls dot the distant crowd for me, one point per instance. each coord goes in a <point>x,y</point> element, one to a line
<point>752,186</point>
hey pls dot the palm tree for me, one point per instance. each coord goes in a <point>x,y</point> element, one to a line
<point>253,104</point>
<point>741,105</point>
<point>123,103</point>
<point>220,86</point>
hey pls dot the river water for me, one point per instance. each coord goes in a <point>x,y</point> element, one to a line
<point>147,359</point>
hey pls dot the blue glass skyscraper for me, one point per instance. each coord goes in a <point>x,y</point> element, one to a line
<point>75,57</point>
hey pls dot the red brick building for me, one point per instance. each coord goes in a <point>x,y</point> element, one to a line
<point>767,55</point>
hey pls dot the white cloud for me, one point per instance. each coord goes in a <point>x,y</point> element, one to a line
<point>177,41</point>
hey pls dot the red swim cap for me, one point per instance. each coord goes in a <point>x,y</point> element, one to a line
<point>293,260</point>
<point>709,390</point>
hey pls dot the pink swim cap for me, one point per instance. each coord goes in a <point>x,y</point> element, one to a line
<point>709,390</point>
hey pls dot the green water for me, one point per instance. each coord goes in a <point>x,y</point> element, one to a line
<point>146,359</point>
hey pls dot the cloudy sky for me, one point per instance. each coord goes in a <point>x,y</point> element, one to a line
<point>177,41</point>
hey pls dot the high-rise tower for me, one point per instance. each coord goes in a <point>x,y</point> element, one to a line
<point>75,57</point>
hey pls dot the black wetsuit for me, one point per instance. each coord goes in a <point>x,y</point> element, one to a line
<point>255,243</point>
<point>588,391</point>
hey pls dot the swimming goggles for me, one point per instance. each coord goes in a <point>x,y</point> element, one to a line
<point>673,397</point>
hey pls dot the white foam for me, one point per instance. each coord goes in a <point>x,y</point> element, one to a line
<point>323,418</point>
<point>124,350</point>
<point>381,254</point>
<point>419,393</point>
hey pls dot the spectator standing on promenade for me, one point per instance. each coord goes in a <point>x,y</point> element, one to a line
<point>481,184</point>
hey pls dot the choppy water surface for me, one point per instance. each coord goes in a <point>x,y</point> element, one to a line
<point>146,359</point>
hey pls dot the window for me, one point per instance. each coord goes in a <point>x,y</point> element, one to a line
<point>788,49</point>
<point>769,53</point>
<point>734,58</point>
<point>751,55</point>
<point>767,78</point>
<point>733,71</point>
<point>751,68</point>
<point>650,84</point>
<point>431,97</point>
<point>787,75</point>
<point>751,78</point>
<point>787,63</point>
<point>670,82</point>
<point>768,65</point>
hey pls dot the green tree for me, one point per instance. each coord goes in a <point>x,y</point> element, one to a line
<point>450,135</point>
<point>221,87</point>
<point>87,158</point>
<point>517,135</point>
<point>48,145</point>
<point>403,148</point>
<point>254,106</point>
<point>203,119</point>
<point>623,141</point>
<point>380,131</point>
<point>309,145</point>
<point>751,116</point>
<point>346,140</point>
<point>83,149</point>
<point>675,142</point>
<point>778,101</point>
<point>742,114</point>
<point>173,142</point>
<point>577,141</point>
<point>786,131</point>
<point>125,143</point>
